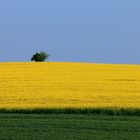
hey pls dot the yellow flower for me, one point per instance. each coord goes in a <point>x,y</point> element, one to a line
<point>69,85</point>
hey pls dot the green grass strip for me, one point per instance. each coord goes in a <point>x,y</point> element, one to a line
<point>96,111</point>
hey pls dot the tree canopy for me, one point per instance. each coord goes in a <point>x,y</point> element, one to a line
<point>40,56</point>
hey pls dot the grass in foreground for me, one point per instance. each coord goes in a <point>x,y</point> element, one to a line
<point>69,85</point>
<point>68,127</point>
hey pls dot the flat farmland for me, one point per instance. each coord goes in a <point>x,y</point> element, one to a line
<point>68,127</point>
<point>60,100</point>
<point>60,85</point>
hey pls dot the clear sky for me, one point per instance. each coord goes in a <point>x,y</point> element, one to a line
<point>100,31</point>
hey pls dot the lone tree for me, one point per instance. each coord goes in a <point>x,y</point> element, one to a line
<point>40,56</point>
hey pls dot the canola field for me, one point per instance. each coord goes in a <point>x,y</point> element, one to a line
<point>69,85</point>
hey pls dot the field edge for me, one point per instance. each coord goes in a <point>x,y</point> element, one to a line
<point>96,111</point>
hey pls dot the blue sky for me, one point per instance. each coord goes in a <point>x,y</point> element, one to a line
<point>100,31</point>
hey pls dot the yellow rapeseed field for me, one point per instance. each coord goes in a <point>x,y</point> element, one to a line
<point>69,85</point>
